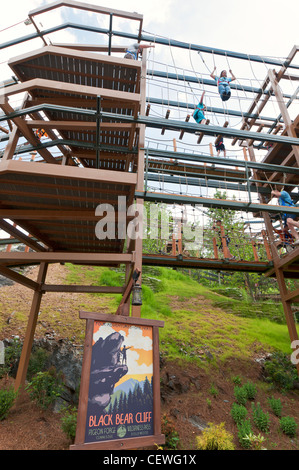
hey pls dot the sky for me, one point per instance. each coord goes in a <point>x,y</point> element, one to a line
<point>267,28</point>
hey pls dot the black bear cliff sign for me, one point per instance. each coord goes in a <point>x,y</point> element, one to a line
<point>119,404</point>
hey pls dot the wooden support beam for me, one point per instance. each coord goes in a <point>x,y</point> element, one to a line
<point>182,131</point>
<point>166,117</point>
<point>256,258</point>
<point>266,243</point>
<point>12,143</point>
<point>30,331</point>
<point>66,257</point>
<point>126,295</point>
<point>8,228</point>
<point>63,87</point>
<point>27,133</point>
<point>286,302</point>
<point>223,241</point>
<point>202,133</point>
<point>58,171</point>
<point>293,296</point>
<point>136,309</point>
<point>219,136</point>
<point>215,248</point>
<point>284,112</point>
<point>19,278</point>
<point>81,289</point>
<point>78,125</point>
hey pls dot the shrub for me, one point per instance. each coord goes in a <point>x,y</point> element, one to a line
<point>240,395</point>
<point>255,441</point>
<point>171,436</point>
<point>260,419</point>
<point>251,390</point>
<point>69,422</point>
<point>275,405</point>
<point>45,388</point>
<point>215,437</point>
<point>280,370</point>
<point>288,426</point>
<point>38,362</point>
<point>237,380</point>
<point>238,413</point>
<point>213,391</point>
<point>12,355</point>
<point>7,398</point>
<point>244,429</point>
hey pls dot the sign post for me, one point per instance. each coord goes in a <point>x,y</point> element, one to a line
<point>119,402</point>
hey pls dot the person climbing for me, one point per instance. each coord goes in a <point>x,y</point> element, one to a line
<point>217,227</point>
<point>198,114</point>
<point>284,199</point>
<point>135,49</point>
<point>40,133</point>
<point>223,83</point>
<point>286,238</point>
<point>219,145</point>
<point>124,353</point>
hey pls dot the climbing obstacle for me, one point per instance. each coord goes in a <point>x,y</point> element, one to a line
<point>100,116</point>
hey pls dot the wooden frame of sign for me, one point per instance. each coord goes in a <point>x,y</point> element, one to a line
<point>119,402</point>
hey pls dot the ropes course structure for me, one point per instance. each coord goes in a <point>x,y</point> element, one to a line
<point>90,138</point>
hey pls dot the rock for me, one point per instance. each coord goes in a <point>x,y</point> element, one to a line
<point>106,370</point>
<point>197,422</point>
<point>174,412</point>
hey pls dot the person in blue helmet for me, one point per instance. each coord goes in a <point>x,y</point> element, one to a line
<point>284,199</point>
<point>223,82</point>
<point>135,49</point>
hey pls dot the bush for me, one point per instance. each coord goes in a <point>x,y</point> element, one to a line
<point>288,426</point>
<point>255,441</point>
<point>171,436</point>
<point>280,371</point>
<point>12,355</point>
<point>215,437</point>
<point>238,413</point>
<point>260,419</point>
<point>244,430</point>
<point>240,395</point>
<point>251,390</point>
<point>69,422</point>
<point>37,362</point>
<point>7,398</point>
<point>275,405</point>
<point>45,388</point>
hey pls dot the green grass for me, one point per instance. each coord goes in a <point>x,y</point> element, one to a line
<point>197,320</point>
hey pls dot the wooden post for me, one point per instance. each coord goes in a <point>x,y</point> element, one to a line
<point>182,131</point>
<point>223,241</point>
<point>256,258</point>
<point>287,307</point>
<point>215,248</point>
<point>136,309</point>
<point>266,245</point>
<point>173,244</point>
<point>180,244</point>
<point>166,117</point>
<point>211,151</point>
<point>284,112</point>
<point>31,326</point>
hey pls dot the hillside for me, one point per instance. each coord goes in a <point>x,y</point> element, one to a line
<point>210,344</point>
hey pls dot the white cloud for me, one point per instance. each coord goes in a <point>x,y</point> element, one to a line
<point>135,339</point>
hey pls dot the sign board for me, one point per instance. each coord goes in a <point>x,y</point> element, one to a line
<point>119,403</point>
